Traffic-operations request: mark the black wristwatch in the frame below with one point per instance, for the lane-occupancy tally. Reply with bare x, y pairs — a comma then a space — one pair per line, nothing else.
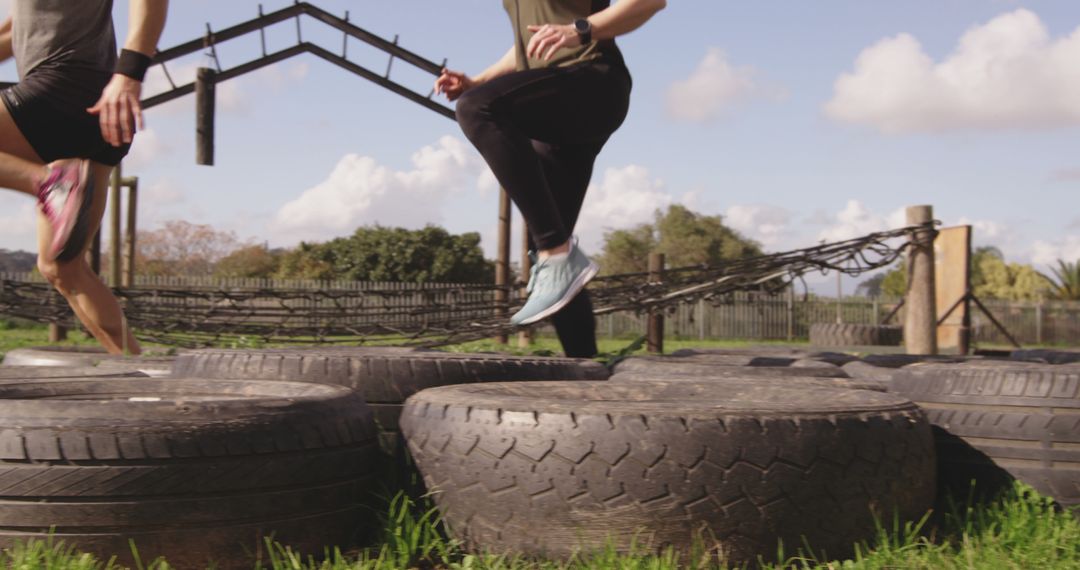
584, 30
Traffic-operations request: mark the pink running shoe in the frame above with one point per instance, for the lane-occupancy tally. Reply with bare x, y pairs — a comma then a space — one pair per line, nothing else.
65, 198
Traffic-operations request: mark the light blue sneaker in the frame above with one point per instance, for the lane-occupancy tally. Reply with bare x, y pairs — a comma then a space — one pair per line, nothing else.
553, 283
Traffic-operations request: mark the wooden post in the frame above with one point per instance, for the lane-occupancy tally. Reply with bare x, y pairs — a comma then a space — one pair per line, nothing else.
1039, 322
654, 335
920, 323
791, 313
839, 297
130, 233
205, 80
57, 333
525, 337
502, 263
115, 267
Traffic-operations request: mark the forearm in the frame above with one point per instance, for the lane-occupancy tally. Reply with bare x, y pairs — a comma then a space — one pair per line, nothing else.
6, 50
146, 20
506, 64
623, 17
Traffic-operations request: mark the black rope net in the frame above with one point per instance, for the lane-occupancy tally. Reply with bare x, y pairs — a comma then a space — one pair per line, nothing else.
435, 315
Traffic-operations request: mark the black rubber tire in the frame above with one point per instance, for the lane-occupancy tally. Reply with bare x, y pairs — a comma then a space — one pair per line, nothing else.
901, 360
998, 422
55, 356
25, 373
382, 376
689, 366
752, 374
866, 371
196, 471
548, 468
768, 352
1046, 355
852, 334
153, 366
73, 356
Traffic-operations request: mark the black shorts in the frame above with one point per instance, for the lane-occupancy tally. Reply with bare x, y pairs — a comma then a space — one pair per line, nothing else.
49, 107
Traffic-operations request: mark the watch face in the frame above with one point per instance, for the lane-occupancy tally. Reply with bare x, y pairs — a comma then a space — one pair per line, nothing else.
582, 25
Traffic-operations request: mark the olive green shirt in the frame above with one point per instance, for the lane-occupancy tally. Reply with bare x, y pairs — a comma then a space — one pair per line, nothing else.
63, 33
525, 13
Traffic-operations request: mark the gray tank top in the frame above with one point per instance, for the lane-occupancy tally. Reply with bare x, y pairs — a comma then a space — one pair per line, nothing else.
58, 34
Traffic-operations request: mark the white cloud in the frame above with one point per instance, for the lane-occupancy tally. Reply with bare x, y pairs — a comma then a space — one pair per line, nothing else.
360, 191
714, 86
769, 225
857, 220
624, 198
232, 96
1049, 252
147, 148
1008, 73
1066, 175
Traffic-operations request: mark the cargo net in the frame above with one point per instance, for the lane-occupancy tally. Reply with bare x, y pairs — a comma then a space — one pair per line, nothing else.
435, 315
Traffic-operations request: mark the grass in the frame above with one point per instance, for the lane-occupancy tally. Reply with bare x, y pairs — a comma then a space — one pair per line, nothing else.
16, 334
1021, 530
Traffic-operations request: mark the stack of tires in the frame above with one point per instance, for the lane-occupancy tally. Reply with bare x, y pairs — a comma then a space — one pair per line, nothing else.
232, 447
852, 335
153, 363
735, 452
996, 421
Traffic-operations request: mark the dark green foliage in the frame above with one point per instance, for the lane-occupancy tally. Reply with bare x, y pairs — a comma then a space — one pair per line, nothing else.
249, 261
1065, 283
377, 253
683, 236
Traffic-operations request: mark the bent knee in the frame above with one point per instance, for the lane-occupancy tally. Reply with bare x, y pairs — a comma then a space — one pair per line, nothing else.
472, 110
60, 274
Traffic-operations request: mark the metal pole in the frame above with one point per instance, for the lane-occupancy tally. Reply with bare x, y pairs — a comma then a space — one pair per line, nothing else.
502, 263
920, 324
655, 332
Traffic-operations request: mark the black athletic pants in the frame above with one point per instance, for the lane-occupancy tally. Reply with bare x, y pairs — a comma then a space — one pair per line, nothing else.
540, 131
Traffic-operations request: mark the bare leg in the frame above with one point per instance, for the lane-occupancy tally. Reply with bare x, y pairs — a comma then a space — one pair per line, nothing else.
20, 167
93, 302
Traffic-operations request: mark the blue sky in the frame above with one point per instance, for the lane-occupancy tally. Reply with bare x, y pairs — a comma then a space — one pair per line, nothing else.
796, 121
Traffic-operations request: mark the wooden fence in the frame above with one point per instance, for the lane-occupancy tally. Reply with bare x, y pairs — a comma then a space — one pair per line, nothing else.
746, 316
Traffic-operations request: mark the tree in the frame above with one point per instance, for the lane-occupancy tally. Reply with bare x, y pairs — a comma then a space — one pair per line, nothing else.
1065, 284
991, 278
249, 261
377, 253
181, 248
683, 236
870, 287
1011, 281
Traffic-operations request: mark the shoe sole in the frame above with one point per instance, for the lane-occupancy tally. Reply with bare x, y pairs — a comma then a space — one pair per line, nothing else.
72, 244
575, 288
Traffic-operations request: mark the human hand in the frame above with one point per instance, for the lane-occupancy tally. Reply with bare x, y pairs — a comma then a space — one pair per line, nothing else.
119, 110
453, 84
549, 38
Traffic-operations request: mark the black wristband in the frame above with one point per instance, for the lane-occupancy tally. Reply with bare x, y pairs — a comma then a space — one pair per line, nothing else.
132, 64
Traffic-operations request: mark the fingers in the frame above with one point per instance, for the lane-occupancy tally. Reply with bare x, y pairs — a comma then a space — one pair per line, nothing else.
546, 40
124, 119
559, 43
